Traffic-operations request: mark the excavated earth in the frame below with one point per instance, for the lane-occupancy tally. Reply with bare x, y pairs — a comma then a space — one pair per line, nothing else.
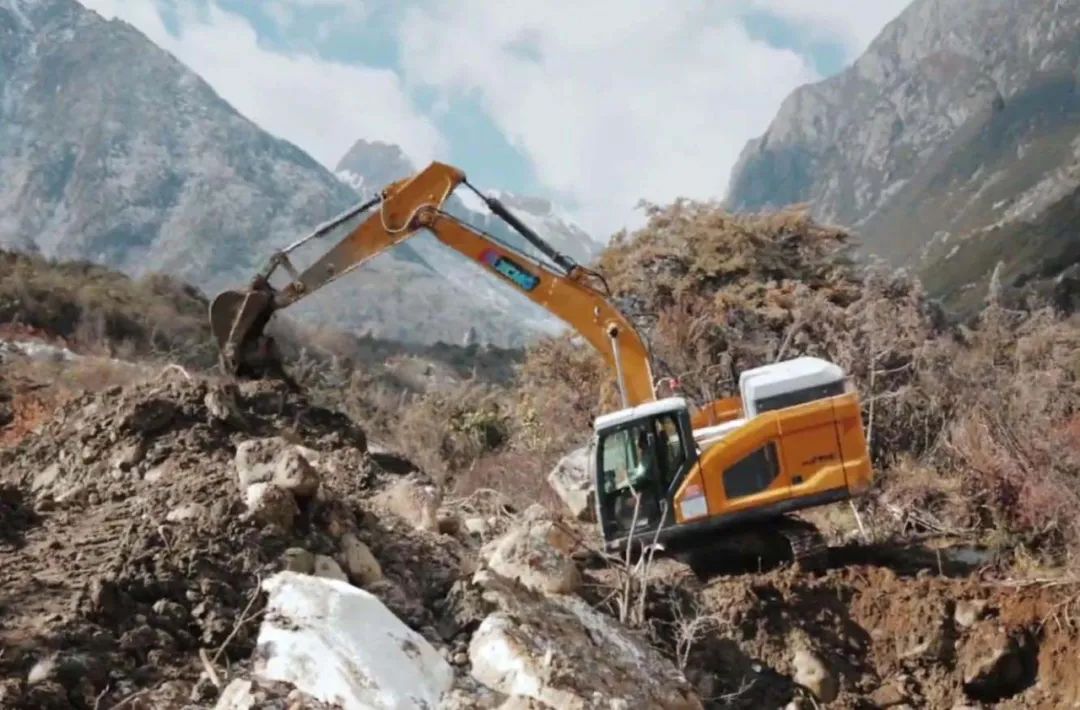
869, 636
126, 546
130, 564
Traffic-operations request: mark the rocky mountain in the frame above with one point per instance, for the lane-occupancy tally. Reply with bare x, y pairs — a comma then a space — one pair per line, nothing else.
952, 144
113, 151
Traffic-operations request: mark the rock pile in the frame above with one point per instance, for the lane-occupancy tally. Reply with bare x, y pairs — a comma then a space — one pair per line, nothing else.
189, 543
193, 544
140, 521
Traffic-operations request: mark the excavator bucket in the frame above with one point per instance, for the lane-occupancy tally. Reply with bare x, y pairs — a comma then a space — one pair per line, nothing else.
237, 320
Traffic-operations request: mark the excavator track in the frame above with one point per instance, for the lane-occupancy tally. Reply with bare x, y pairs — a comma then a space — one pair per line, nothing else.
783, 540
809, 549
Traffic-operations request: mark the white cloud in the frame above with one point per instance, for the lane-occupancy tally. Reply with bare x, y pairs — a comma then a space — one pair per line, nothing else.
611, 100
285, 12
321, 106
853, 23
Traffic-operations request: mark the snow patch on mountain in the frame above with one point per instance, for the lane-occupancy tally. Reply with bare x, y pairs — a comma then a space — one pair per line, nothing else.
353, 180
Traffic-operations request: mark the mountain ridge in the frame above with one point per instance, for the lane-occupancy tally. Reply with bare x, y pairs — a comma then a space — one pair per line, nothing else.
959, 117
113, 151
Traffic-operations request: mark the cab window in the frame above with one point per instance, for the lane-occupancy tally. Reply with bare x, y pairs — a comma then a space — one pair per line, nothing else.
671, 444
627, 458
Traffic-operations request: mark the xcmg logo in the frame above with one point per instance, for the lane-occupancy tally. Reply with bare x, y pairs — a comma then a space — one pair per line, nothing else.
510, 270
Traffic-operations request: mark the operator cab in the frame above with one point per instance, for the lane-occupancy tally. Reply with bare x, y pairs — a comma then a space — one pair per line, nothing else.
642, 454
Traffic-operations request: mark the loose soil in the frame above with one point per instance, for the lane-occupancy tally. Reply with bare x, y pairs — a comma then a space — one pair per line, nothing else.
129, 573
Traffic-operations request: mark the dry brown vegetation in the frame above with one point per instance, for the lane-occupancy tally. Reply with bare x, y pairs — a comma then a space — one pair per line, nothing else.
104, 312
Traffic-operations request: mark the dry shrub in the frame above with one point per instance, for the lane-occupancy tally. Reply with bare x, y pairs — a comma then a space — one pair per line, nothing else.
715, 294
446, 431
562, 386
104, 312
1011, 440
513, 473
31, 391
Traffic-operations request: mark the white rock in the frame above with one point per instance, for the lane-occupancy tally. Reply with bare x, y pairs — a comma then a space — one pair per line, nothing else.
339, 644
289, 466
294, 473
181, 513
270, 505
256, 459
161, 472
414, 500
572, 481
812, 673
362, 566
42, 670
46, 478
238, 695
327, 568
536, 552
560, 651
476, 526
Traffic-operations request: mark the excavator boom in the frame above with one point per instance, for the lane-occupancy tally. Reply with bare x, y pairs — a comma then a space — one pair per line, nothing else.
569, 291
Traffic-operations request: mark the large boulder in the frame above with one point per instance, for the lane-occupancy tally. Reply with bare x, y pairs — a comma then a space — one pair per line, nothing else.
572, 481
342, 646
559, 651
415, 499
536, 552
274, 459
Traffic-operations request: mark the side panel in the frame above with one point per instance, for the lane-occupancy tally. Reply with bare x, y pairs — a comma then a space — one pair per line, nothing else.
811, 451
691, 500
717, 412
853, 444
820, 453
735, 448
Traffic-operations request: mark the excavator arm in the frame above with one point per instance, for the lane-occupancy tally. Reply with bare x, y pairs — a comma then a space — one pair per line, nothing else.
567, 290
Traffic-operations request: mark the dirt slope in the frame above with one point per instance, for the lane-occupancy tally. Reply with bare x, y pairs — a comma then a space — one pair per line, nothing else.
130, 560
127, 547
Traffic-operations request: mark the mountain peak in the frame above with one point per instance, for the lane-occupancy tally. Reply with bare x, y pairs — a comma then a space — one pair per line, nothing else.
378, 163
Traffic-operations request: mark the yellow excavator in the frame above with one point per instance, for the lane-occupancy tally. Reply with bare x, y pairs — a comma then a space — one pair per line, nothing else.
792, 439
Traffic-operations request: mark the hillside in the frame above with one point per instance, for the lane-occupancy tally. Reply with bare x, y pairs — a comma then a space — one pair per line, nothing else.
172, 540
113, 152
959, 119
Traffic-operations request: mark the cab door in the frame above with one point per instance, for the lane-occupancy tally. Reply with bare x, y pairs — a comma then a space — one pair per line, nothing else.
639, 465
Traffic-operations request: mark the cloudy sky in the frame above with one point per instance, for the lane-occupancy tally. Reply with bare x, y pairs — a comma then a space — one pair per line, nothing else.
594, 103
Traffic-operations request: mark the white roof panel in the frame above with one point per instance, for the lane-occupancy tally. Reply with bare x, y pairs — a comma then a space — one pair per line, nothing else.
788, 376
669, 404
